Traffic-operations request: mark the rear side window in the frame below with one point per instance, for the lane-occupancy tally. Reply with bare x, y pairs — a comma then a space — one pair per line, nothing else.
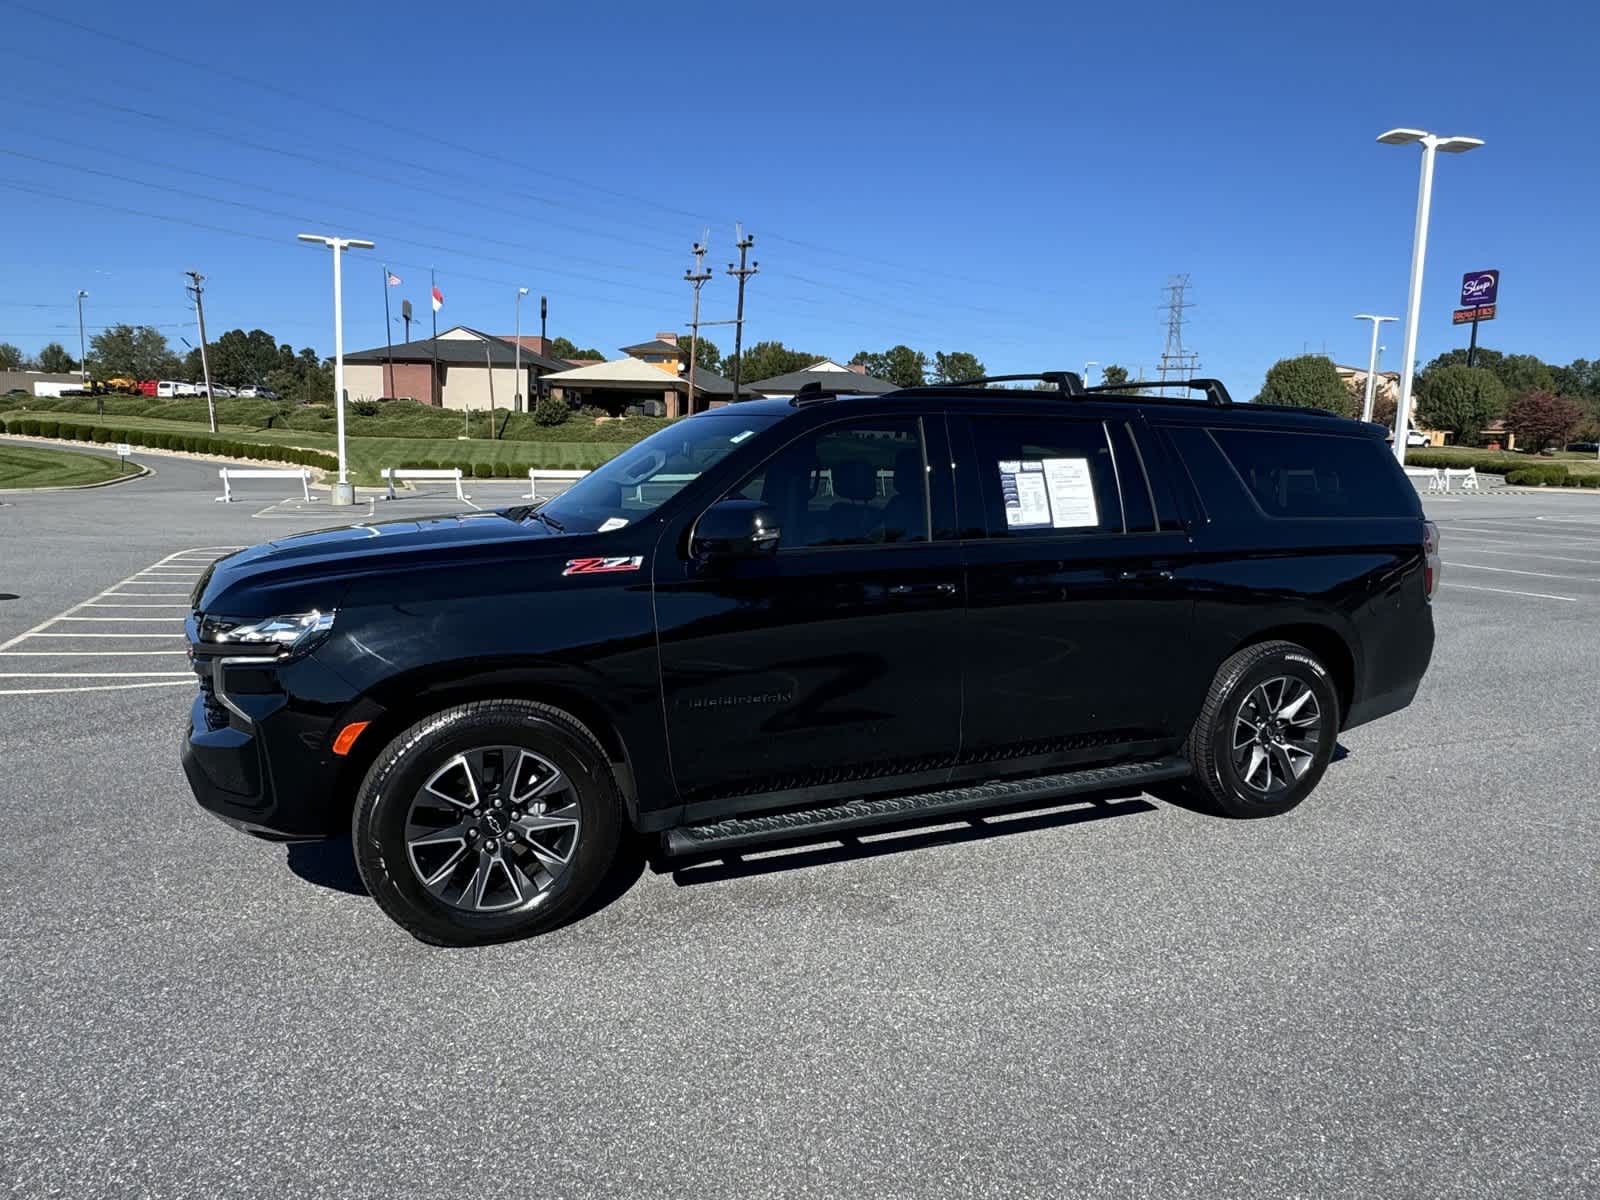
1046, 476
1317, 475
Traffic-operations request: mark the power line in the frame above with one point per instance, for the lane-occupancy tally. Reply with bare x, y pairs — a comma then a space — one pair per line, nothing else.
696, 277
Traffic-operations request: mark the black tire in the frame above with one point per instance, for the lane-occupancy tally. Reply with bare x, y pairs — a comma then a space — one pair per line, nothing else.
1231, 707
383, 823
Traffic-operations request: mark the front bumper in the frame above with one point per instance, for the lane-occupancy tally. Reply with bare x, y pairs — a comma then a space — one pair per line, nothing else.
264, 763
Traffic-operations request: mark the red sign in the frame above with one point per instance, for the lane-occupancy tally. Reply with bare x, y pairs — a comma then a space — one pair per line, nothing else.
1465, 316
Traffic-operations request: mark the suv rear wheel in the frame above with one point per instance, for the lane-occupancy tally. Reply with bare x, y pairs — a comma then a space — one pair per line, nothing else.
1266, 732
487, 821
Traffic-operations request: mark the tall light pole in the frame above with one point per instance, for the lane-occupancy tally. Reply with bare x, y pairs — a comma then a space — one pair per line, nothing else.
342, 492
1372, 361
1431, 143
83, 358
1086, 366
516, 404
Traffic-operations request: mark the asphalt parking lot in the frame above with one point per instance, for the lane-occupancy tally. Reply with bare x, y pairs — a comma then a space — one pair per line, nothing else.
1390, 992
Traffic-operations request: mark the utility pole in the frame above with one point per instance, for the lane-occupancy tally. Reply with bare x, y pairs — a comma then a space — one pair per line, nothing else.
1176, 362
516, 402
196, 279
696, 279
745, 241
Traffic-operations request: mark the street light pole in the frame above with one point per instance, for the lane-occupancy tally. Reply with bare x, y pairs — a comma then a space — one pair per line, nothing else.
516, 404
1086, 366
1431, 143
1372, 362
342, 492
83, 356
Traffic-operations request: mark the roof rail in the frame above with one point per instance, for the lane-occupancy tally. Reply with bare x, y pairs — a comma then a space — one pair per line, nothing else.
1216, 392
1068, 383
814, 392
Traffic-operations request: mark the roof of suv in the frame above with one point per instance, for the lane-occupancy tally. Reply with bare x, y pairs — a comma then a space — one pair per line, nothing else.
1310, 419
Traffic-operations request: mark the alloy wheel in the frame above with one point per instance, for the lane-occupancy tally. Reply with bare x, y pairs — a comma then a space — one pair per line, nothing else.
1276, 733
493, 828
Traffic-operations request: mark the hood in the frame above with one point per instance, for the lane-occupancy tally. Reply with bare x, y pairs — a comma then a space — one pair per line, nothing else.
312, 570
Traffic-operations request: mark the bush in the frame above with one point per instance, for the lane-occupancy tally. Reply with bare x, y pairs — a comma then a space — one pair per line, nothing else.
550, 411
1489, 462
49, 428
502, 470
364, 408
101, 436
482, 471
1543, 475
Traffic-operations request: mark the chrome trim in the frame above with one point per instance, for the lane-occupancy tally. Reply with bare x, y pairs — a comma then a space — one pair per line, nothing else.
219, 668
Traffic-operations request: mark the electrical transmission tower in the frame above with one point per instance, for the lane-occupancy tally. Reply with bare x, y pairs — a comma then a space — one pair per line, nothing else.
1177, 364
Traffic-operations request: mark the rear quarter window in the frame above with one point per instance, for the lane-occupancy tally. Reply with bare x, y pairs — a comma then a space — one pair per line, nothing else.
1292, 474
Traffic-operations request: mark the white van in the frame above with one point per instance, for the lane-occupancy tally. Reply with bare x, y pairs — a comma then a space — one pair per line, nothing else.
166, 389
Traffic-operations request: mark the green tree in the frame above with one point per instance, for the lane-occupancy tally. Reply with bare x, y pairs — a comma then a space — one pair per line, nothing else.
55, 359
239, 358
560, 347
10, 357
1461, 400
956, 367
134, 352
899, 365
1113, 376
1541, 419
706, 356
1306, 381
766, 359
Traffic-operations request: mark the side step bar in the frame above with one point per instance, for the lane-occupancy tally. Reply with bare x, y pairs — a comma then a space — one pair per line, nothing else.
737, 832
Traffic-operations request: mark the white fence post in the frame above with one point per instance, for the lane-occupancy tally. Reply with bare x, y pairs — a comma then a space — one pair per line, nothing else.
537, 473
229, 474
390, 474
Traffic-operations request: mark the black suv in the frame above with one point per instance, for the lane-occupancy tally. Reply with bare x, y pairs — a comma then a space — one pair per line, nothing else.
787, 618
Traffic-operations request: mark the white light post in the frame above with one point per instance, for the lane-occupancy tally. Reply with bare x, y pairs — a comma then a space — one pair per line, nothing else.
83, 359
342, 492
517, 404
1372, 362
1086, 366
1430, 143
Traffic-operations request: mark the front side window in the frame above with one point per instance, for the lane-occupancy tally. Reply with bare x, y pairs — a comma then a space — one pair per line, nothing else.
860, 484
643, 477
1046, 476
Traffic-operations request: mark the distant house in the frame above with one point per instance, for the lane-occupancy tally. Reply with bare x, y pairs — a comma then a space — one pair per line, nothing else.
828, 373
475, 369
650, 373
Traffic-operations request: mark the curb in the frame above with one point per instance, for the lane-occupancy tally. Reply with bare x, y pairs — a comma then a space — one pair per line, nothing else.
140, 471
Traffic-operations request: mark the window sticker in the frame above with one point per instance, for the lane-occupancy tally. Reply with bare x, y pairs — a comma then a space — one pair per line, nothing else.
1071, 490
1048, 493
1027, 500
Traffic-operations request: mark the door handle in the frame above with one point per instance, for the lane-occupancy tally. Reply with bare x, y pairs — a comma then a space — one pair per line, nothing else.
1157, 576
923, 589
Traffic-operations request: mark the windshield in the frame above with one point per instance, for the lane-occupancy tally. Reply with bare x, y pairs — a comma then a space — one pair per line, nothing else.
643, 477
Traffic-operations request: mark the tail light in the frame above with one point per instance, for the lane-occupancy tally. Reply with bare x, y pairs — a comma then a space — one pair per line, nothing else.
1430, 556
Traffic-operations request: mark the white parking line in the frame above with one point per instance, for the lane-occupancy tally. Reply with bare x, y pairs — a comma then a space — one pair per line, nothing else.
1513, 571
1502, 531
130, 594
1468, 587
1478, 548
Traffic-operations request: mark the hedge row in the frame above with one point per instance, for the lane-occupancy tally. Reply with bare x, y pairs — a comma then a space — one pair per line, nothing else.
1550, 475
194, 443
1488, 462
498, 470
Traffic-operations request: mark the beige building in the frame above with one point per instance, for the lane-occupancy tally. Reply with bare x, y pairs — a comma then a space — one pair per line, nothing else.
476, 370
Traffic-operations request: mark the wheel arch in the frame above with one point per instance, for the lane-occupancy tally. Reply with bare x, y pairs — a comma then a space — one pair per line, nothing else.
402, 702
1327, 643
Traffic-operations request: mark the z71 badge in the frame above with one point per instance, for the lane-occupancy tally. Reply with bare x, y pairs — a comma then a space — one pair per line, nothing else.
602, 566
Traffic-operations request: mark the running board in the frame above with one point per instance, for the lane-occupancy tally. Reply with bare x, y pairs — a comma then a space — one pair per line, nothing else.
737, 832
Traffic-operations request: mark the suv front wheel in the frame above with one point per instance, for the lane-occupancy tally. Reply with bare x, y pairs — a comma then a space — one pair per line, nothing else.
487, 821
1266, 732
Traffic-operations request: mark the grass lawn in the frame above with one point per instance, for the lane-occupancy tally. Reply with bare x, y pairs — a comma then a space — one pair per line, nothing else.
369, 455
26, 467
1578, 464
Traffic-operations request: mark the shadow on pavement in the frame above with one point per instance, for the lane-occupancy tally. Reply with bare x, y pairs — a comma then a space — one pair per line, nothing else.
330, 864
795, 854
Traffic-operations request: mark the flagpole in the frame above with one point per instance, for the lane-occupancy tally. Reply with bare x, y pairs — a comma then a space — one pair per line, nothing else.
388, 330
433, 287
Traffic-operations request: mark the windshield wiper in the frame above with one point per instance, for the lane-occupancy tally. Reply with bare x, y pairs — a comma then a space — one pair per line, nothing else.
537, 515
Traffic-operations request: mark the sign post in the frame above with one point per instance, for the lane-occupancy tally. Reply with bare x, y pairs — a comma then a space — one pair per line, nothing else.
1479, 291
123, 450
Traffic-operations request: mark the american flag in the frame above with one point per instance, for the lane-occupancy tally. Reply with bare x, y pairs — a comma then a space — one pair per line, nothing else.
392, 279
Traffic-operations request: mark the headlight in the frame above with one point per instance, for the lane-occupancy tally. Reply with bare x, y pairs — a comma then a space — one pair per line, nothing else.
289, 631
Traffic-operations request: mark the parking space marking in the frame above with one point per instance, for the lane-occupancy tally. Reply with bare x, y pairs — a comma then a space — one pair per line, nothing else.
1478, 548
1468, 587
1503, 531
1513, 571
126, 602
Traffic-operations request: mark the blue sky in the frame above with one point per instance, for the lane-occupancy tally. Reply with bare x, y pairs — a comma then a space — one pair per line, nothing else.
1018, 180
